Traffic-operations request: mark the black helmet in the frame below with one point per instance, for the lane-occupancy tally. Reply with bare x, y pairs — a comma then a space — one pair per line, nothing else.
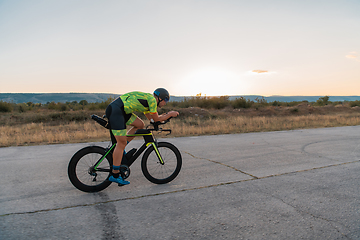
162, 94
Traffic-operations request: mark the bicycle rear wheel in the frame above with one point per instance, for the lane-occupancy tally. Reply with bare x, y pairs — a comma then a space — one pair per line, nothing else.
159, 173
81, 170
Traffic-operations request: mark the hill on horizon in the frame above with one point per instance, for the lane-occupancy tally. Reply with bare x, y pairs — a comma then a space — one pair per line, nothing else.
44, 98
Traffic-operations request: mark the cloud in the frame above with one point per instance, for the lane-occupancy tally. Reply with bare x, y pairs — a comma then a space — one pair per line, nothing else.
353, 55
260, 71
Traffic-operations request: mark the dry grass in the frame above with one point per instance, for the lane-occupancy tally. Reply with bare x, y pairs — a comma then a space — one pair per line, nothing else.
40, 133
242, 124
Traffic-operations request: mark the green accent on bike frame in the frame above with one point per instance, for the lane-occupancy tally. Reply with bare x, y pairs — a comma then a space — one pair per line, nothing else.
137, 135
157, 152
95, 168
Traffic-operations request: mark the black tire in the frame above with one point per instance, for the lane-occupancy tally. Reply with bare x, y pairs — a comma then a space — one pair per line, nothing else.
81, 173
156, 172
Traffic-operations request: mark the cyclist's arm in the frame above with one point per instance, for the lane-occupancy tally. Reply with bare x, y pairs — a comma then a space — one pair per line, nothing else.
159, 118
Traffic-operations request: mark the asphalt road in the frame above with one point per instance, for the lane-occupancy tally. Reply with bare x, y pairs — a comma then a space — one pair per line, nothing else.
302, 184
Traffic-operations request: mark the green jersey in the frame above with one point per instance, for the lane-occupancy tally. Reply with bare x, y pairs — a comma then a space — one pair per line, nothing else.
139, 102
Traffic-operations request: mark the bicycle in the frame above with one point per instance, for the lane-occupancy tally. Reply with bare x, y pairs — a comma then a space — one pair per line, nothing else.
89, 168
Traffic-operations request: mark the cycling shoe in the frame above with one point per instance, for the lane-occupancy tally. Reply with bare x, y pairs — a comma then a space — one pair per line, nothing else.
118, 180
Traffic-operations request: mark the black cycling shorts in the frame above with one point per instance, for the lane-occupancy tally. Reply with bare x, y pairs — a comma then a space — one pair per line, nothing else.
117, 117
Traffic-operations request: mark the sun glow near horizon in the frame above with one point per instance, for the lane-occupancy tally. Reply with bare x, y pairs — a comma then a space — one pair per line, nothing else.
211, 82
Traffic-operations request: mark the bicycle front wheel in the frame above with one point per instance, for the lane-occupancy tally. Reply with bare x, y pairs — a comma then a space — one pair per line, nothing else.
82, 172
157, 172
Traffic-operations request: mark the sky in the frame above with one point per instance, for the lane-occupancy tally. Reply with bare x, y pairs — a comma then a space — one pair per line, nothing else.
212, 47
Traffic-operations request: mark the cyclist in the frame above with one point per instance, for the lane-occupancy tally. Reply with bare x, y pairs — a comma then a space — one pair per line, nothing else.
120, 113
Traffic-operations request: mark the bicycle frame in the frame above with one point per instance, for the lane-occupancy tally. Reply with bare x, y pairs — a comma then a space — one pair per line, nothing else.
89, 168
149, 140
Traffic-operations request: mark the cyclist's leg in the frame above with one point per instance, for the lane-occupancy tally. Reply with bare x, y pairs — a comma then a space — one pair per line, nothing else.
136, 124
116, 116
117, 157
118, 151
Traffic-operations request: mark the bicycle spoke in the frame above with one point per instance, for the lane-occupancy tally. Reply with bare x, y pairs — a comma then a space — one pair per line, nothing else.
162, 171
85, 173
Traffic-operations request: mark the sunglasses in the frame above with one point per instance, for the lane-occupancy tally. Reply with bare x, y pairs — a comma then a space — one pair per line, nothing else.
166, 100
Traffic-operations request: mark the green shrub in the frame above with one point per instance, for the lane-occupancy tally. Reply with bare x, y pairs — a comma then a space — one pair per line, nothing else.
323, 101
275, 103
213, 102
202, 102
83, 102
22, 107
5, 107
62, 107
354, 103
241, 103
260, 102
51, 105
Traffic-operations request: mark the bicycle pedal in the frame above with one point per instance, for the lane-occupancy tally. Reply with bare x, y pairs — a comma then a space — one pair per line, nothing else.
120, 185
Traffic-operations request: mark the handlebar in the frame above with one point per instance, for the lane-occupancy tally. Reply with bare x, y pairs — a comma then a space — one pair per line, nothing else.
158, 123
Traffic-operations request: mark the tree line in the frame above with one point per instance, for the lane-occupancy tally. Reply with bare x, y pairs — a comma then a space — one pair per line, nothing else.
197, 101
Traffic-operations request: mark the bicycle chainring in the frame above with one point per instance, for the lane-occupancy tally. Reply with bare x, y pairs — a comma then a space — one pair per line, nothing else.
124, 171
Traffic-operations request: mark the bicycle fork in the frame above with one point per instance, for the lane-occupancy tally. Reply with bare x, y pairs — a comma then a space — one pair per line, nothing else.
157, 152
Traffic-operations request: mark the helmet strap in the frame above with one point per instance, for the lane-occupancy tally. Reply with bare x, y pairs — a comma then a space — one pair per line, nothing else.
158, 99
